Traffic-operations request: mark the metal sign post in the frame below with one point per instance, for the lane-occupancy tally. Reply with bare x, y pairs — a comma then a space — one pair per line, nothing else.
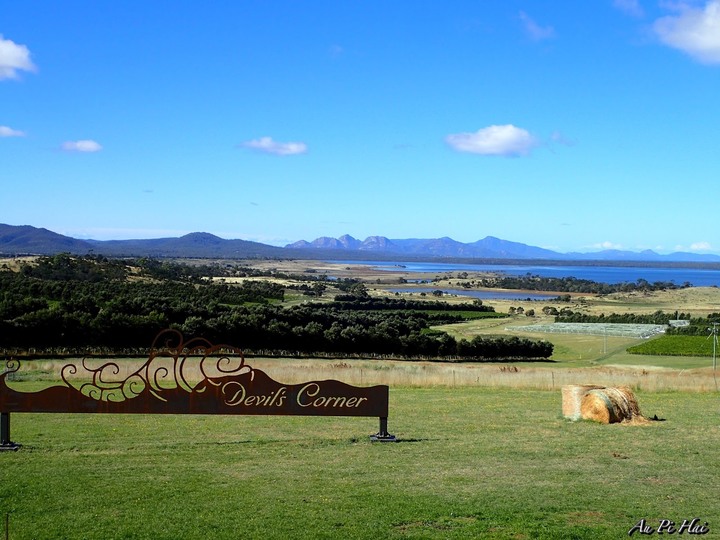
383, 435
5, 442
714, 333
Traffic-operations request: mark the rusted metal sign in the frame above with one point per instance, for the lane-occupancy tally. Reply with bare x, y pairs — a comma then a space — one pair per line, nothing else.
193, 377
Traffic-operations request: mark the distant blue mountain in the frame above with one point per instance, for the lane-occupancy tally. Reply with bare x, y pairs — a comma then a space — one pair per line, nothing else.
16, 240
27, 240
489, 247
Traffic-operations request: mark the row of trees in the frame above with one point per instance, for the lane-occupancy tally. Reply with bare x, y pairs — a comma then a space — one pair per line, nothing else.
659, 317
366, 302
574, 285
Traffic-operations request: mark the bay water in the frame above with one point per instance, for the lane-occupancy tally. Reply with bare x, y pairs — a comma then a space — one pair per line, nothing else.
697, 277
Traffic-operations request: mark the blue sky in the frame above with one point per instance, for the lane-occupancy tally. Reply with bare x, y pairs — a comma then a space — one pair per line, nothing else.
575, 126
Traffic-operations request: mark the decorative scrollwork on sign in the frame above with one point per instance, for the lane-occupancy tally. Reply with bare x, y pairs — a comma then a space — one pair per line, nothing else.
11, 366
169, 366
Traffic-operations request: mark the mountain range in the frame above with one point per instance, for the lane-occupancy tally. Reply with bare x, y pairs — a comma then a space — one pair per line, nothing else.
489, 247
25, 239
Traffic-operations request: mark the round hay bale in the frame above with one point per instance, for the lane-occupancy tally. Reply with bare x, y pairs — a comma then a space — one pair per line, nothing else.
572, 395
610, 405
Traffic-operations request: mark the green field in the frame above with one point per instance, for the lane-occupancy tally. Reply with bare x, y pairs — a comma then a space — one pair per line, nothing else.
472, 463
675, 346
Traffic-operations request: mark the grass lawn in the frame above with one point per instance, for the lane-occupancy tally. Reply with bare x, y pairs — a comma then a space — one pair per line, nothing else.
473, 463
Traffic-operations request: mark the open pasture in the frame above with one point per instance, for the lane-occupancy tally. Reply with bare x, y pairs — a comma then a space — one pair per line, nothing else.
472, 463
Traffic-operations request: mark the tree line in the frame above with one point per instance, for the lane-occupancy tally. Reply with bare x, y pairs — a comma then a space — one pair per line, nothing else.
658, 317
534, 282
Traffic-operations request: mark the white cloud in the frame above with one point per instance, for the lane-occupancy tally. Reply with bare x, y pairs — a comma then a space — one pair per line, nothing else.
607, 245
268, 146
506, 140
631, 7
81, 146
13, 58
700, 246
695, 31
534, 30
6, 131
